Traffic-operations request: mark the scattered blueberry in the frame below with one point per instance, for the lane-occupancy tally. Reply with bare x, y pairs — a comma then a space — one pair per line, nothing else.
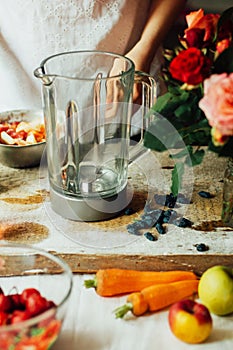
169, 215
205, 194
170, 200
129, 211
201, 247
154, 217
159, 227
150, 236
182, 222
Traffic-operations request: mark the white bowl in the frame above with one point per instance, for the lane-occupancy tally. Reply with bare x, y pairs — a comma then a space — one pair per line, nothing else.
28, 156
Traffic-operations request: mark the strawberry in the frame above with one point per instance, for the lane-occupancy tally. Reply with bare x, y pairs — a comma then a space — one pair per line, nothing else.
3, 318
28, 292
19, 316
16, 301
5, 303
36, 304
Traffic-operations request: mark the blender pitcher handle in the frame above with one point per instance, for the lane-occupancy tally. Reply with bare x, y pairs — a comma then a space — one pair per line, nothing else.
149, 88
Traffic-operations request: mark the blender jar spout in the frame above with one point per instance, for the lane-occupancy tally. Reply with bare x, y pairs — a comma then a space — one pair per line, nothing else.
44, 78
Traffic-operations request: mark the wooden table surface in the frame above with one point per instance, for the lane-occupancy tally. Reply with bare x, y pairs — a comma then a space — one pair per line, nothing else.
27, 217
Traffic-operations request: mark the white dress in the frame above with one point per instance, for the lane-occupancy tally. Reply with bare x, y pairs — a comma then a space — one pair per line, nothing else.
31, 30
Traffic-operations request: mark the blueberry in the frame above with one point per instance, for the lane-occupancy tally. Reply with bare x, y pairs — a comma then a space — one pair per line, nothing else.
170, 200
182, 222
205, 194
169, 215
159, 227
202, 247
150, 236
129, 211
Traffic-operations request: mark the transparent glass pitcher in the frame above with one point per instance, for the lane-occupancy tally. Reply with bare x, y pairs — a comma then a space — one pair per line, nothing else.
88, 108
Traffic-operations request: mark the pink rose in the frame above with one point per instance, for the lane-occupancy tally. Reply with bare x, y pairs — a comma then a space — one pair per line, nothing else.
217, 102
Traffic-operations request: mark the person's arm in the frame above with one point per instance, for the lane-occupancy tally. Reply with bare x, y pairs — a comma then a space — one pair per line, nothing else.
162, 15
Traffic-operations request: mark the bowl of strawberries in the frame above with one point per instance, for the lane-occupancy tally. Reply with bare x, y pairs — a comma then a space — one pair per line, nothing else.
35, 288
22, 138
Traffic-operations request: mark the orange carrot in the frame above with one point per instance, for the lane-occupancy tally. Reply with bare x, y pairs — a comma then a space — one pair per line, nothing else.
110, 282
157, 297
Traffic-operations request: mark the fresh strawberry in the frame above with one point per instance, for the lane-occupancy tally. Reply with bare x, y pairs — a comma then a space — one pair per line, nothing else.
50, 304
17, 303
36, 304
19, 316
26, 293
3, 318
5, 303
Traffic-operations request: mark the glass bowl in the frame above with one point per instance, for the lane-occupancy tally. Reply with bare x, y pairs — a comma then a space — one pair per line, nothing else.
22, 156
22, 268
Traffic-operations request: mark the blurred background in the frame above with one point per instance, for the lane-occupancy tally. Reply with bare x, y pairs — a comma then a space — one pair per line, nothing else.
209, 6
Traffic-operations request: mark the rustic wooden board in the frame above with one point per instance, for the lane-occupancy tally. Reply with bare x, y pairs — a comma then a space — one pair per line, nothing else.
84, 263
24, 219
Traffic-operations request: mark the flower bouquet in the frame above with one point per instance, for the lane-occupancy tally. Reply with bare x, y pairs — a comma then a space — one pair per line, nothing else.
197, 109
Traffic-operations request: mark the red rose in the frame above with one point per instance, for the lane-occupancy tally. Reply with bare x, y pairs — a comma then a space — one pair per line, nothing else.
195, 37
191, 66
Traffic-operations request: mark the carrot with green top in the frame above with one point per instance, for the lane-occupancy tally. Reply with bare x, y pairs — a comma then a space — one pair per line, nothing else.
111, 282
157, 297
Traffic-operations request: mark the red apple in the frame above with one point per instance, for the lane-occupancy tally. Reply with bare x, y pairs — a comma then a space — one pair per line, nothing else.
190, 321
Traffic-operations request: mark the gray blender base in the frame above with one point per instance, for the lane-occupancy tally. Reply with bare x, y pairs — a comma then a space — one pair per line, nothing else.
95, 209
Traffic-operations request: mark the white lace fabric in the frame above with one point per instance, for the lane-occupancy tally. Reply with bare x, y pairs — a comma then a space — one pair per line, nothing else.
31, 30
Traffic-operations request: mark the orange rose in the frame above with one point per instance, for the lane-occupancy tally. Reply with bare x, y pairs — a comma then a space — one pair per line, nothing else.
223, 45
217, 103
201, 27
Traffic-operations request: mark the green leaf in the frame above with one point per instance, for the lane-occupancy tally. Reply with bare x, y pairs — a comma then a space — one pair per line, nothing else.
177, 177
162, 135
191, 158
196, 134
167, 103
183, 153
195, 158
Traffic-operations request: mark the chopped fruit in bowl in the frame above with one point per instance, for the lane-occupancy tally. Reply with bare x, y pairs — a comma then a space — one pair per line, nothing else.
33, 305
22, 138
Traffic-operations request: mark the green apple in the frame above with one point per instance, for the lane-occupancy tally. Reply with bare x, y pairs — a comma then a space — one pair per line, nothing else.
190, 321
215, 289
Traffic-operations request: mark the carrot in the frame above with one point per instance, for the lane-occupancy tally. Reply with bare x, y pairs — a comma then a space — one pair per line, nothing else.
110, 282
157, 297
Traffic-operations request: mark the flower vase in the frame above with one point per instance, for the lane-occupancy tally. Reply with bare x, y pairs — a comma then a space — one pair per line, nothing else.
227, 205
